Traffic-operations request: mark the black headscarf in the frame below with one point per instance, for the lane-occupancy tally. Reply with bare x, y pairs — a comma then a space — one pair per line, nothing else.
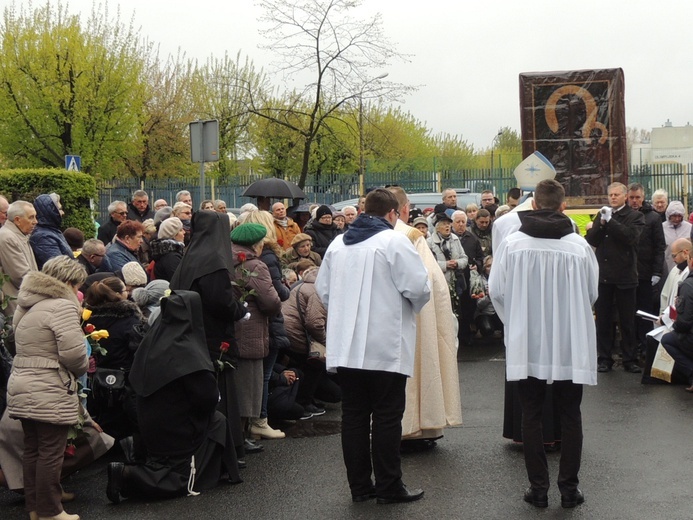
209, 250
174, 346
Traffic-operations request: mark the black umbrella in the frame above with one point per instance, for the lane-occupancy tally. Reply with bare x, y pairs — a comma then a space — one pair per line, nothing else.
274, 188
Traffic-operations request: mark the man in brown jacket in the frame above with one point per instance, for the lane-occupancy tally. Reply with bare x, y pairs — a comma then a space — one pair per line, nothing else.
286, 228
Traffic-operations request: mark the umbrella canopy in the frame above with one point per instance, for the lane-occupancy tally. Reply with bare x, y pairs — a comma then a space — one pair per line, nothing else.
274, 188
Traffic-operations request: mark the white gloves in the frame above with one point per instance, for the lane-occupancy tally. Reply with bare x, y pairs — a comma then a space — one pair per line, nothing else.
246, 317
606, 213
655, 279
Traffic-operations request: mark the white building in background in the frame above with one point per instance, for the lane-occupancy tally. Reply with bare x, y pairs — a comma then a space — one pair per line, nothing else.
668, 144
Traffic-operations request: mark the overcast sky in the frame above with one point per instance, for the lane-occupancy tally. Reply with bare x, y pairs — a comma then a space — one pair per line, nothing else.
467, 55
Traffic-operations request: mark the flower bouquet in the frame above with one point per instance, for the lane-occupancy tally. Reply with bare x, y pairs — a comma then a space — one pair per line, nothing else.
243, 277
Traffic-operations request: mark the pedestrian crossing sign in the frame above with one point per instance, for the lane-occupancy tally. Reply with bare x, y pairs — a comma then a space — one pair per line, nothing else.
73, 163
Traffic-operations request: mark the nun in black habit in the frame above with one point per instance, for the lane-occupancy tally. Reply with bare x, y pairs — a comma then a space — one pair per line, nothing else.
188, 444
207, 268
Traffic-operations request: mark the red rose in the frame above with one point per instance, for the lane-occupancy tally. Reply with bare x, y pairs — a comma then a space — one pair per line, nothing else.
89, 328
70, 450
241, 257
224, 347
280, 241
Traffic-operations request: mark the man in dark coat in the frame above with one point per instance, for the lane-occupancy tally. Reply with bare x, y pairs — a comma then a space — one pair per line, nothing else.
139, 208
93, 257
117, 213
483, 230
615, 233
651, 248
47, 240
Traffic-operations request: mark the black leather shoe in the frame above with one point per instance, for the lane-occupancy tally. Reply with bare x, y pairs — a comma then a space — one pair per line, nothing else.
536, 498
404, 495
603, 367
115, 481
365, 497
251, 447
572, 500
632, 368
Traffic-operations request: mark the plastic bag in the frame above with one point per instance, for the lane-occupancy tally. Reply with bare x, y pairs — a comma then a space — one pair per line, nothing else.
476, 285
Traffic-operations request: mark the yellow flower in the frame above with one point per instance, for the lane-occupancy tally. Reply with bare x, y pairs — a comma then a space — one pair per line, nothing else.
99, 334
86, 314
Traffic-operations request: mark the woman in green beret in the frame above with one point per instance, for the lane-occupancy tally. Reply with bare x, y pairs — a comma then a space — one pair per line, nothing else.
253, 285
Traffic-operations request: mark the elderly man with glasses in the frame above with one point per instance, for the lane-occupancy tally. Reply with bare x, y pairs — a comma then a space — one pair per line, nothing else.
93, 257
118, 213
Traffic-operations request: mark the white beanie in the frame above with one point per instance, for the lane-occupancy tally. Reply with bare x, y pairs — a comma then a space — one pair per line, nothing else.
134, 275
170, 228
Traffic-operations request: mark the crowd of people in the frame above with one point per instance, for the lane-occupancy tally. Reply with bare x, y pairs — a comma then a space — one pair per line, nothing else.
236, 294
185, 335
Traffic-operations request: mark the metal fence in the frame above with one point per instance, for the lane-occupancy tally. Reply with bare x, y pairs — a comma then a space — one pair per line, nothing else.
676, 179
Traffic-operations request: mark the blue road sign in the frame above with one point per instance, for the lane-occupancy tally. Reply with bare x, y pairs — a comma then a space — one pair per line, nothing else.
73, 163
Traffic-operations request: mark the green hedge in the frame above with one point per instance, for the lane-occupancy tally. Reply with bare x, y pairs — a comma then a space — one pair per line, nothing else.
75, 189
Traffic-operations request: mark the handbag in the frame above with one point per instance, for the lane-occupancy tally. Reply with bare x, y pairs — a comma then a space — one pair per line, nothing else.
108, 386
317, 352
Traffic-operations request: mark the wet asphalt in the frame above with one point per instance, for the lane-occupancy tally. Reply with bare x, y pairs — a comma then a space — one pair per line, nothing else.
637, 464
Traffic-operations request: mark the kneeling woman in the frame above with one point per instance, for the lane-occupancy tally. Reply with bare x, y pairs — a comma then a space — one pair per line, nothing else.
188, 445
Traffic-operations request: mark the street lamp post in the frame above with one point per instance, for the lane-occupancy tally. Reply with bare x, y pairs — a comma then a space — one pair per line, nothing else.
362, 162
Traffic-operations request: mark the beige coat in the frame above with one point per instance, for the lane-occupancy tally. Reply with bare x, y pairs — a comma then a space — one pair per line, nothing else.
314, 314
433, 392
50, 352
16, 260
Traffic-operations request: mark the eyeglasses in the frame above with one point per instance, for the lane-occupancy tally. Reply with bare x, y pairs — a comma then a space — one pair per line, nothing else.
121, 212
674, 255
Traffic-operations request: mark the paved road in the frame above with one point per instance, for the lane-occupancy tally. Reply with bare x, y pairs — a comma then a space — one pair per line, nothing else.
637, 464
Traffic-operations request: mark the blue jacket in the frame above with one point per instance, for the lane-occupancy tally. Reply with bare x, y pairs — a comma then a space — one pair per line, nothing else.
118, 255
47, 241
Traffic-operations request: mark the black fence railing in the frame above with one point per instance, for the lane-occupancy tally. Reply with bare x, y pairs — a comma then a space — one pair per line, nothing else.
676, 179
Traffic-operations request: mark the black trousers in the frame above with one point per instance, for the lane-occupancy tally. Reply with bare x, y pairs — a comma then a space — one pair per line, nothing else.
370, 395
683, 355
644, 302
623, 300
567, 397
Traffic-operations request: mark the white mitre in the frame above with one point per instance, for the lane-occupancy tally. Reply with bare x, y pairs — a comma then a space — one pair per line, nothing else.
533, 170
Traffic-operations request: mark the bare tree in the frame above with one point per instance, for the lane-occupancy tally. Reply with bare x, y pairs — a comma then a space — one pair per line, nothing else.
344, 57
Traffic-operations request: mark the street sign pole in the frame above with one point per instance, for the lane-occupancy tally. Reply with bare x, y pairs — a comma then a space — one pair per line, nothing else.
204, 146
202, 164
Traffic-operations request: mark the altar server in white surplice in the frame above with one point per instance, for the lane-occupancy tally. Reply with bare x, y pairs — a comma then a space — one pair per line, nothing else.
543, 284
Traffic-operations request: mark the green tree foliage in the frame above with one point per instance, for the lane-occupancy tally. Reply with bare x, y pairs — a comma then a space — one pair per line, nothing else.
320, 38
394, 140
67, 89
454, 153
75, 190
220, 90
160, 148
